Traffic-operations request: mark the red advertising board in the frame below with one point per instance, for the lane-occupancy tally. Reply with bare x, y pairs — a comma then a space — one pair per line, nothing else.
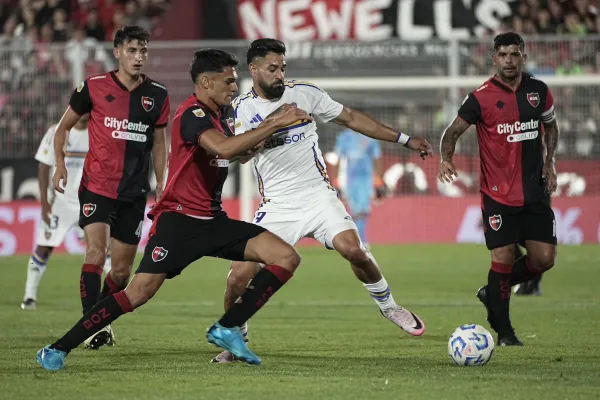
397, 220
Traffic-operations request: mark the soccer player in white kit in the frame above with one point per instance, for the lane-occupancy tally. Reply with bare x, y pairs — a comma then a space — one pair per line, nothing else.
298, 199
59, 213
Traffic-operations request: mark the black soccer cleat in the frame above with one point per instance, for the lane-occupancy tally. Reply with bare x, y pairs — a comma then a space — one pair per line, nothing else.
509, 339
483, 297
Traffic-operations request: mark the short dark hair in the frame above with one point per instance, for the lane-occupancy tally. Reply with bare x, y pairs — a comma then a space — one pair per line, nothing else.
128, 33
262, 47
211, 60
508, 39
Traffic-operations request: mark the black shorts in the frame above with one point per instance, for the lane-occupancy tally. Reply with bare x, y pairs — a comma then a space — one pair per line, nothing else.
178, 240
505, 225
125, 218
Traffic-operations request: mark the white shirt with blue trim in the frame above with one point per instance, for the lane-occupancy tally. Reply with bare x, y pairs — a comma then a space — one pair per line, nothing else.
291, 163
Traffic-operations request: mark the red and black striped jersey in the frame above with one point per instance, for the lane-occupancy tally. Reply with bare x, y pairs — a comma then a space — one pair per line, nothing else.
509, 131
196, 176
121, 131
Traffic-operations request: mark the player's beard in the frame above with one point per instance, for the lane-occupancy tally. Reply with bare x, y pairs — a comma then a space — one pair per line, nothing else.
272, 91
512, 76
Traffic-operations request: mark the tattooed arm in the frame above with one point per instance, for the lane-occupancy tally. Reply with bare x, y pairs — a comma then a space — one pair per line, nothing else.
551, 135
447, 171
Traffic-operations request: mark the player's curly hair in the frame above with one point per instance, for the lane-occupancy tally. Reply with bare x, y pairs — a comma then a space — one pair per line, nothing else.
508, 39
211, 60
261, 47
128, 33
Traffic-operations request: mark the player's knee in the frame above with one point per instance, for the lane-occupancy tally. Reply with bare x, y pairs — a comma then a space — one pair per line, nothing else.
44, 251
355, 254
543, 260
120, 276
289, 259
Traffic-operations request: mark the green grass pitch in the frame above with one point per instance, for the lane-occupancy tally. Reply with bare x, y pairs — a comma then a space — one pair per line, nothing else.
321, 337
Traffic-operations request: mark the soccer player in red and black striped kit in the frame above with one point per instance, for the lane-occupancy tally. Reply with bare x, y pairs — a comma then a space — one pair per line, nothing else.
129, 113
189, 222
512, 111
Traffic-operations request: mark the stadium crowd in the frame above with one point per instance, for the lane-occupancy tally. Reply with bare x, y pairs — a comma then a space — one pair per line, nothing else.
43, 42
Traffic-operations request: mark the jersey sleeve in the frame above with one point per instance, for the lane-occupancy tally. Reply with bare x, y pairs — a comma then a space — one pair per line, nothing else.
45, 152
470, 110
165, 112
194, 122
81, 101
548, 114
323, 106
242, 124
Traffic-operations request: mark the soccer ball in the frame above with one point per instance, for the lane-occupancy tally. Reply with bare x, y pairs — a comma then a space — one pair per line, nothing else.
471, 345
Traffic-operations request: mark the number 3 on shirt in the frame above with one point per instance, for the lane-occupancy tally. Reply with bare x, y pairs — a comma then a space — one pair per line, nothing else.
259, 216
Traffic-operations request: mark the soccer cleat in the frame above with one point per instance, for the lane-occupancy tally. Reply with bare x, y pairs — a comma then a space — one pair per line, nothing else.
406, 320
509, 339
28, 304
231, 339
104, 337
528, 288
224, 357
51, 359
483, 297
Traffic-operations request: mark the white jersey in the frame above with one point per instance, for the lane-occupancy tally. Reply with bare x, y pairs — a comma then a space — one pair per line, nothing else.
291, 163
76, 149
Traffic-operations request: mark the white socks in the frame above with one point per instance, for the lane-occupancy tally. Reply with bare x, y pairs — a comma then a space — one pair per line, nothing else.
35, 271
380, 292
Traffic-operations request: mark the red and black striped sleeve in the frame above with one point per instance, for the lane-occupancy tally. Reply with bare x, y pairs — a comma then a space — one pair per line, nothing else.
470, 110
165, 112
194, 122
81, 101
548, 114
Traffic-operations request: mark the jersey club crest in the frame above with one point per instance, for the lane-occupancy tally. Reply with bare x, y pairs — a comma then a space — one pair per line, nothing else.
88, 209
533, 99
147, 103
159, 254
231, 124
495, 222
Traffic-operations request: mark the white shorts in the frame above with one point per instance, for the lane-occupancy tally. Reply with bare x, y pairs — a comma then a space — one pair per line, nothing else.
321, 217
64, 216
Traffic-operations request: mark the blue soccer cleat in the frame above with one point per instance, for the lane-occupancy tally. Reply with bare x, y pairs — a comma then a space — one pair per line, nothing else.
231, 339
51, 359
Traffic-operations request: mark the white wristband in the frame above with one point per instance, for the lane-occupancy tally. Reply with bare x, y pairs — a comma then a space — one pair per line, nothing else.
403, 139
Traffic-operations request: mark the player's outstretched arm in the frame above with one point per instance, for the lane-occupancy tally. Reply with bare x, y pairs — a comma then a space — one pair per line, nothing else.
230, 147
551, 135
368, 126
247, 156
67, 122
450, 136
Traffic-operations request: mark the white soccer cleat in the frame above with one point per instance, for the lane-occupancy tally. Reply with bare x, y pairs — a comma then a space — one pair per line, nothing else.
104, 337
224, 357
406, 320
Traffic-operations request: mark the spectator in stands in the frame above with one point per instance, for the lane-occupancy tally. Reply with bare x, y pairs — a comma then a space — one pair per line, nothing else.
93, 29
60, 27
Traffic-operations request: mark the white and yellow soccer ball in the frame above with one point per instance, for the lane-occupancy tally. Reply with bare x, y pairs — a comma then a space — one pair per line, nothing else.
471, 345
